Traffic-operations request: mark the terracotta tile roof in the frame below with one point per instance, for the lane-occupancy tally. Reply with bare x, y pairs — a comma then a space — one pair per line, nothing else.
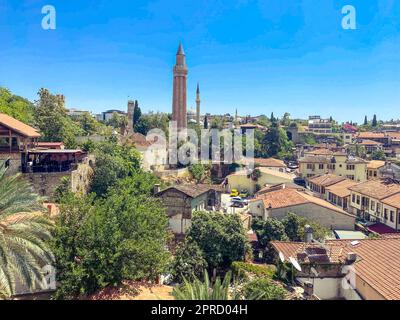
315, 159
394, 135
269, 162
193, 190
378, 189
378, 262
341, 189
393, 201
375, 164
18, 126
326, 180
322, 151
285, 198
371, 135
366, 142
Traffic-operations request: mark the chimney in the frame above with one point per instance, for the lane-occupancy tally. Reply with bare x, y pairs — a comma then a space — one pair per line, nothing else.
308, 231
156, 188
351, 258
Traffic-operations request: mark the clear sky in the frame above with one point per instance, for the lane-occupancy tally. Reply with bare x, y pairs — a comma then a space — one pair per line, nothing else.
254, 55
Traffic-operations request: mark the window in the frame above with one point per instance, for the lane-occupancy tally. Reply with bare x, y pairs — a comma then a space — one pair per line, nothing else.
378, 207
372, 205
321, 166
350, 176
391, 216
375, 173
358, 200
331, 166
310, 166
353, 198
386, 214
350, 167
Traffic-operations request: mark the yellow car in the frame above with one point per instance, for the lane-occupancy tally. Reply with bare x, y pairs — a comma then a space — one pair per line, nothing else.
234, 193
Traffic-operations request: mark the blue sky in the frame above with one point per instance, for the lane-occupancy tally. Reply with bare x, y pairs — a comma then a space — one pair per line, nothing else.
257, 56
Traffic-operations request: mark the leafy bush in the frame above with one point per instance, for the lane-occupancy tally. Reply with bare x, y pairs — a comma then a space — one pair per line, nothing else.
242, 269
263, 289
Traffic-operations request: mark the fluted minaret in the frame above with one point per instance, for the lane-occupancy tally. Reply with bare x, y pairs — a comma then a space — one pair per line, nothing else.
198, 105
131, 108
179, 108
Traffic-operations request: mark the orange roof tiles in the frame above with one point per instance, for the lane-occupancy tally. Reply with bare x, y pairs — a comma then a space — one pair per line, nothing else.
378, 262
18, 126
375, 164
378, 189
290, 197
269, 162
393, 201
371, 135
341, 189
326, 180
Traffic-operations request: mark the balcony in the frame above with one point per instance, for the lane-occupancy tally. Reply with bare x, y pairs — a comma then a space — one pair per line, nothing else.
49, 168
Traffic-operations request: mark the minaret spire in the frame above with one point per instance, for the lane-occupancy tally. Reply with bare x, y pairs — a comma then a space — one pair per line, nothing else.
198, 104
179, 99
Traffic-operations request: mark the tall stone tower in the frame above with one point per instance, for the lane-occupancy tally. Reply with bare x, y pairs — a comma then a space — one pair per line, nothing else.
131, 110
179, 97
198, 105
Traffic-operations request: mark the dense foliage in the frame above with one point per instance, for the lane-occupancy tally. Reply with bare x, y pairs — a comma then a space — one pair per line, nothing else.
15, 106
23, 232
114, 163
263, 289
105, 241
52, 120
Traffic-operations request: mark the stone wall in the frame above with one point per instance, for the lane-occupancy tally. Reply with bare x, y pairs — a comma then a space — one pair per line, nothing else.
46, 183
326, 217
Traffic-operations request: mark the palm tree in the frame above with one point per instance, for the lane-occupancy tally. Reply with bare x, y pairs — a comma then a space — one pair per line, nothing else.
23, 232
199, 290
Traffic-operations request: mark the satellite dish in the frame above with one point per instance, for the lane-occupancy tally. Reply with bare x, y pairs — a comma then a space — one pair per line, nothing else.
281, 256
295, 263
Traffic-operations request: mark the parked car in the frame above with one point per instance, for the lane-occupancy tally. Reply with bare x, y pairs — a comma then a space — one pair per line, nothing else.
234, 193
244, 194
237, 204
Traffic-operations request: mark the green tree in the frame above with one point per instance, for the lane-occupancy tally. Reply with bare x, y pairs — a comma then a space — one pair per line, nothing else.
136, 114
378, 155
87, 123
52, 120
197, 171
374, 121
15, 106
206, 122
113, 163
221, 238
23, 232
189, 262
102, 242
269, 230
292, 224
263, 289
365, 121
276, 142
153, 121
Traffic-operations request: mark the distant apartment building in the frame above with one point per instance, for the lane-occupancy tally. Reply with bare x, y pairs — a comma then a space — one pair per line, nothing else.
107, 115
338, 163
318, 125
75, 113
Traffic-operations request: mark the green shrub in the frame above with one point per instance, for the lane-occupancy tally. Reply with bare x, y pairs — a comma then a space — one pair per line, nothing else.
242, 269
263, 289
